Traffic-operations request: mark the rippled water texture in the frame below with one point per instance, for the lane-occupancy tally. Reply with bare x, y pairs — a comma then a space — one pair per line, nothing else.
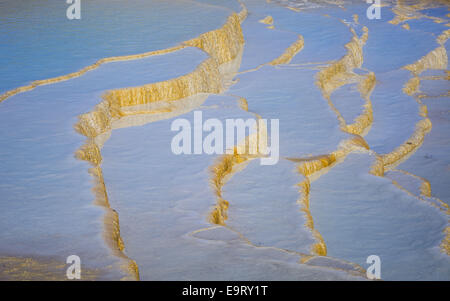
85, 134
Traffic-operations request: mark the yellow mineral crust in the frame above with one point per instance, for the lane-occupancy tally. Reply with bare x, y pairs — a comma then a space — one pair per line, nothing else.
341, 73
363, 121
152, 112
329, 79
425, 195
289, 53
296, 9
243, 104
205, 79
412, 86
445, 244
221, 172
227, 164
416, 139
308, 167
111, 223
338, 73
442, 38
86, 69
38, 269
286, 57
409, 10
267, 20
425, 186
223, 46
400, 153
436, 59
243, 13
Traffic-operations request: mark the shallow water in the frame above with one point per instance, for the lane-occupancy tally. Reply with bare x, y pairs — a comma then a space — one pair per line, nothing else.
38, 41
51, 204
